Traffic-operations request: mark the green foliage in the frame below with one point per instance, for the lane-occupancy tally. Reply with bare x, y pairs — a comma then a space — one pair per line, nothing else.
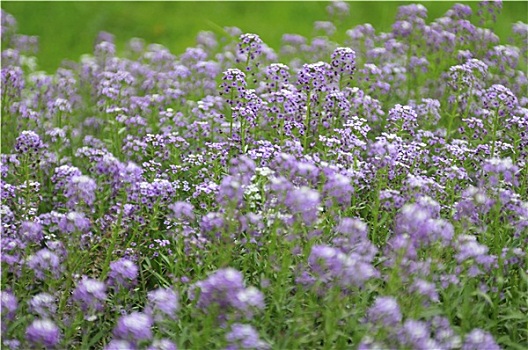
68, 29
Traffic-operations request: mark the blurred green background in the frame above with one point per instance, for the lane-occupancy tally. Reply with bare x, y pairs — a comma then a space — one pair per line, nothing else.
68, 29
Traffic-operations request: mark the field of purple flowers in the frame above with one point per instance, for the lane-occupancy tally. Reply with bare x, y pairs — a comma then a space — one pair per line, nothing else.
367, 194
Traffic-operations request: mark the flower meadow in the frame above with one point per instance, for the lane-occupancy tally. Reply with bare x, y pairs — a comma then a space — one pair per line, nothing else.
364, 194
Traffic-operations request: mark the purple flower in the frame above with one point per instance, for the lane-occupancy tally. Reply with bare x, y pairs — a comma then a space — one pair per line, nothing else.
182, 210
225, 289
444, 334
123, 273
45, 262
233, 82
495, 167
31, 231
90, 294
162, 344
134, 327
402, 118
426, 289
29, 143
74, 221
327, 28
8, 309
231, 190
44, 332
314, 77
304, 202
249, 299
419, 221
469, 250
478, 339
338, 9
339, 189
43, 304
11, 344
331, 265
249, 47
344, 61
416, 335
119, 344
219, 287
385, 311
243, 336
163, 300
80, 189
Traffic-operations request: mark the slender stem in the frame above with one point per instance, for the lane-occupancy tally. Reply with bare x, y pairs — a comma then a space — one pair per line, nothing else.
308, 117
113, 241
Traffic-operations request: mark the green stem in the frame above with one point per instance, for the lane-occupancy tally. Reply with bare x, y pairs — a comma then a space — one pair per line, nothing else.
308, 117
113, 241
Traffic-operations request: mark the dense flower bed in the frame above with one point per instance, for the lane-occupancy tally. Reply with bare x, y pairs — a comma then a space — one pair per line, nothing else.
364, 194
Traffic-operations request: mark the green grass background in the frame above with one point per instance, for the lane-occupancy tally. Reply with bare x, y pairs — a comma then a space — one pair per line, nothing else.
68, 29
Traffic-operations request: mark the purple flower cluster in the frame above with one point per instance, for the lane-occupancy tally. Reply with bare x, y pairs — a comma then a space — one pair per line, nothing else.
373, 189
224, 291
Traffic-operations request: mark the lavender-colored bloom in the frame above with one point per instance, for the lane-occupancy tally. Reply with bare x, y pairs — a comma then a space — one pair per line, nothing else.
74, 221
162, 344
80, 189
182, 210
250, 46
123, 273
43, 304
338, 9
11, 344
249, 299
212, 224
314, 77
225, 289
45, 262
90, 294
444, 334
385, 311
28, 143
233, 82
352, 237
164, 301
469, 248
500, 99
331, 265
13, 82
478, 339
134, 327
416, 334
402, 118
367, 343
327, 28
43, 332
459, 11
219, 287
120, 344
467, 75
305, 203
338, 189
495, 167
230, 191
31, 231
243, 336
419, 221
426, 289
8, 306
344, 61
8, 24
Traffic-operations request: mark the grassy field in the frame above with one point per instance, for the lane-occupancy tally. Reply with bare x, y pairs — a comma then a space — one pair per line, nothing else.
68, 29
